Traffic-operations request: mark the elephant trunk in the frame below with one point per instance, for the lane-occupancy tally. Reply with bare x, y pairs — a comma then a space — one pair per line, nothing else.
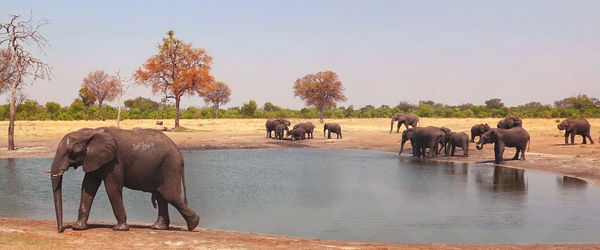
392, 127
56, 175
479, 146
401, 147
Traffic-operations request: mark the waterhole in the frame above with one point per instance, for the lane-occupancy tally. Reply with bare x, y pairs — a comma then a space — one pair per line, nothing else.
340, 194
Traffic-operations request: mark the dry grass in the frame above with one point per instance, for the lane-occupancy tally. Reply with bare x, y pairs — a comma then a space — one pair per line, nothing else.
51, 129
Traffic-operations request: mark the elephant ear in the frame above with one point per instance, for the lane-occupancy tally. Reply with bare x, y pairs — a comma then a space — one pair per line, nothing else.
494, 135
101, 150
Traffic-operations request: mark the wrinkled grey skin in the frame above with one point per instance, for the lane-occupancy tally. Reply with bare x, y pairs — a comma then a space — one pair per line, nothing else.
574, 127
332, 128
309, 127
297, 134
406, 119
515, 138
279, 129
510, 122
478, 130
138, 159
454, 140
423, 138
272, 123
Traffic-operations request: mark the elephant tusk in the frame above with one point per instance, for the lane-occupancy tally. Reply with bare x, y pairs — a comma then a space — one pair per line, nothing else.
47, 171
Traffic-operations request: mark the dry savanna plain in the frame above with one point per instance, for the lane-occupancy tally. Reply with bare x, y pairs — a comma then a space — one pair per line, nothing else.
547, 152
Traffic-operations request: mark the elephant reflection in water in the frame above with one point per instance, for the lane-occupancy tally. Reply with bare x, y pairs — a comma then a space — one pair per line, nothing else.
571, 182
503, 180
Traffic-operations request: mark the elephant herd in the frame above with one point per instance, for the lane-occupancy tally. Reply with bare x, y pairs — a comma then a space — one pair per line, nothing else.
149, 161
509, 132
299, 131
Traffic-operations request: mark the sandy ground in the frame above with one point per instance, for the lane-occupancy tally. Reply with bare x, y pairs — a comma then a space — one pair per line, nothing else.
40, 138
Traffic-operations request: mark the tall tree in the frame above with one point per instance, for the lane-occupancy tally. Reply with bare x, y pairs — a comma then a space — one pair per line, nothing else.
494, 103
102, 85
218, 96
16, 35
122, 87
177, 70
321, 90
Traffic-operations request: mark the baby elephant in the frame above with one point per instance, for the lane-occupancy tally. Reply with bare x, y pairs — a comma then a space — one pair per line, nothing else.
457, 140
576, 127
308, 128
333, 128
297, 134
279, 131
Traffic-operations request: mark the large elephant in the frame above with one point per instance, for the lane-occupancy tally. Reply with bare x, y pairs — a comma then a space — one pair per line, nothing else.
574, 127
510, 122
515, 137
478, 130
333, 128
406, 119
454, 140
272, 123
139, 159
308, 127
422, 138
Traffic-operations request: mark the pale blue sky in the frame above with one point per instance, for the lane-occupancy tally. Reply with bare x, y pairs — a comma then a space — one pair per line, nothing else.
384, 51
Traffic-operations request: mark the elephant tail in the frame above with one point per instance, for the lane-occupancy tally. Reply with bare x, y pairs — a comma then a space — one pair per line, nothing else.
183, 181
528, 144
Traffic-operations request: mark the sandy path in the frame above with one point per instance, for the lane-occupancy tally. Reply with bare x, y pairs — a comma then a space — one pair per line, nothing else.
39, 139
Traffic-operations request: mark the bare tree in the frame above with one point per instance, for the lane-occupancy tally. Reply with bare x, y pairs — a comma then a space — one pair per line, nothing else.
218, 96
102, 85
16, 34
122, 87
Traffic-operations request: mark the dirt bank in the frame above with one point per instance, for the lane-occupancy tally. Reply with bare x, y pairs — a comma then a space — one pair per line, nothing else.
39, 139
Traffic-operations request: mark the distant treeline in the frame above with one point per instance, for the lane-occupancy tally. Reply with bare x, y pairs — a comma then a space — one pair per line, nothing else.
144, 108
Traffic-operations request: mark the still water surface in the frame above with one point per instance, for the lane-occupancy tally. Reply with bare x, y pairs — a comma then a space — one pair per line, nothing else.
341, 194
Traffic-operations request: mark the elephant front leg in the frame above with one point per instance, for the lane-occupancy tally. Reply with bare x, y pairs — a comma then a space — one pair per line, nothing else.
89, 188
163, 220
115, 195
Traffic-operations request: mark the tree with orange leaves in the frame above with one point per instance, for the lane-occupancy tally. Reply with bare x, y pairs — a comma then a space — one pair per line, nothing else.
321, 90
102, 86
178, 69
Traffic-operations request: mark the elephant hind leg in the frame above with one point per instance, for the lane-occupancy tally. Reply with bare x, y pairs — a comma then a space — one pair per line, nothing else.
516, 157
191, 218
163, 220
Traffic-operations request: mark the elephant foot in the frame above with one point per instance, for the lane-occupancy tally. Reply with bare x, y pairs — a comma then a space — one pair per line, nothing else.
160, 224
121, 227
80, 225
193, 222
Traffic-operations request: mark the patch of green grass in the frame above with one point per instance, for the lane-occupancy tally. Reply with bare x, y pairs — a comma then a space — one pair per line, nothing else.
12, 242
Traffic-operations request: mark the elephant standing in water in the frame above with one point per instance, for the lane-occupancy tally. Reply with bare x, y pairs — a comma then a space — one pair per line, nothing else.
139, 159
406, 119
574, 127
515, 137
333, 128
478, 130
422, 138
272, 123
510, 122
